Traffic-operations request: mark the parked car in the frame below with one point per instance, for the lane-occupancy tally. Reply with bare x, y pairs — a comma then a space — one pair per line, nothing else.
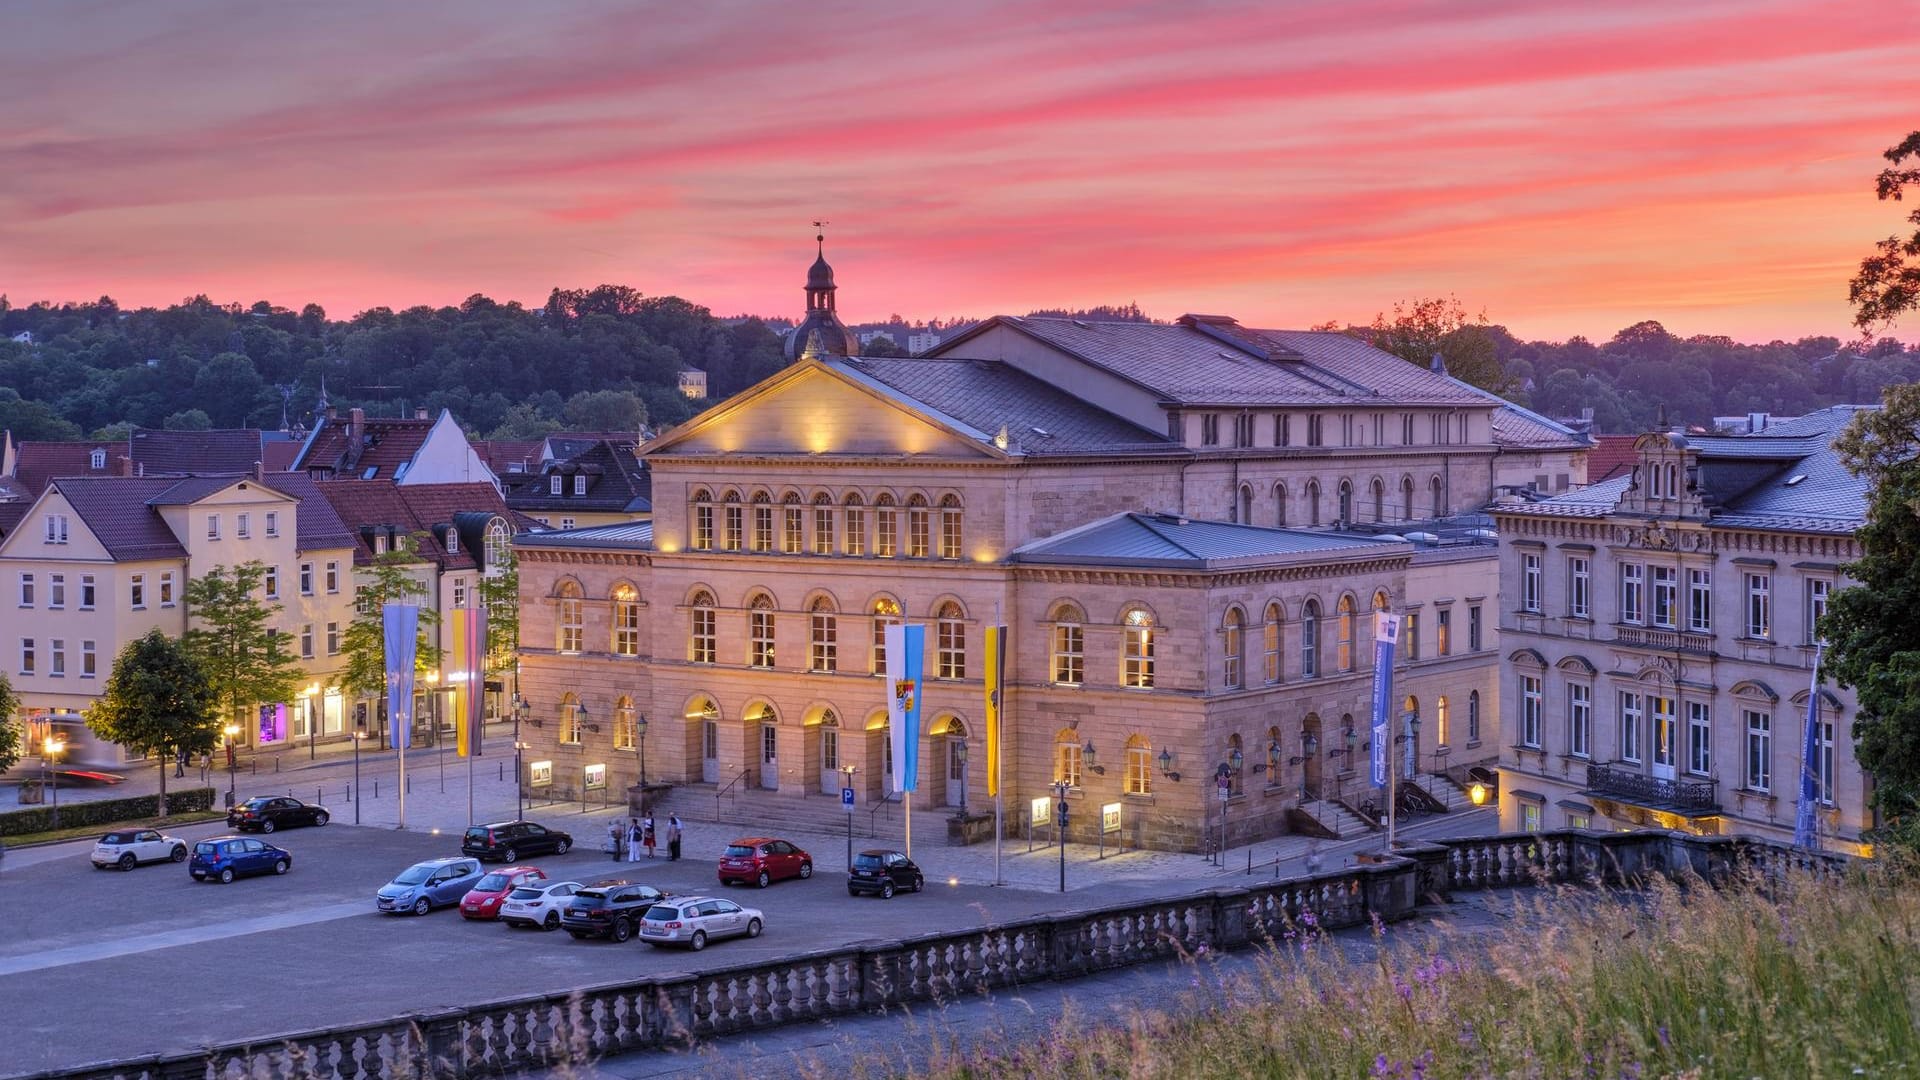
128, 848
427, 885
223, 858
538, 903
269, 812
883, 872
484, 899
509, 840
609, 909
694, 920
763, 860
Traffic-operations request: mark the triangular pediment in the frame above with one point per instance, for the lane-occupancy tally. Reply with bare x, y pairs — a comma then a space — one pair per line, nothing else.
814, 409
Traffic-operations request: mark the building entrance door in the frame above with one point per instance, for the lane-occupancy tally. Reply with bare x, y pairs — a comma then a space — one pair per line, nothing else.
1665, 738
830, 778
710, 751
769, 755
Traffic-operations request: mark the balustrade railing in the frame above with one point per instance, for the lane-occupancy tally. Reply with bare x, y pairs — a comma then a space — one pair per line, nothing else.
1680, 794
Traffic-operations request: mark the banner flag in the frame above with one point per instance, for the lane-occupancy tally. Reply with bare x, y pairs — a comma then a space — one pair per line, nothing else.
466, 663
1806, 832
400, 624
996, 690
1386, 634
906, 656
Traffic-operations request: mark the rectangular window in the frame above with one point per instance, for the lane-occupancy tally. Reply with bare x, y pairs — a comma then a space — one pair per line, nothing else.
1759, 726
273, 523
1699, 738
918, 532
26, 589
1819, 590
333, 577
950, 535
1530, 582
1529, 817
166, 589
1631, 717
950, 638
573, 624
1759, 605
1530, 711
56, 528
823, 530
243, 525
1700, 601
760, 638
554, 484
1632, 593
58, 668
735, 516
87, 592
137, 591
703, 527
1579, 588
1473, 628
1210, 429
886, 532
26, 656
703, 644
306, 579
1243, 430
1823, 760
1666, 748
1410, 635
333, 639
793, 530
459, 592
1282, 429
626, 626
855, 540
1580, 720
579, 483
56, 590
89, 659
1069, 658
1666, 595
1066, 762
1443, 632
271, 581
306, 641
1316, 430
213, 526
566, 523
762, 527
824, 649
1139, 778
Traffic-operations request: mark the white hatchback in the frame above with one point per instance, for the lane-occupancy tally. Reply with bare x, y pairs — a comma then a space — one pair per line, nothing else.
538, 903
128, 848
693, 920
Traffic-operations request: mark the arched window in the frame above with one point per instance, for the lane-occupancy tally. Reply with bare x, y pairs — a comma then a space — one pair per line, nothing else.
886, 612
1069, 646
762, 521
760, 631
701, 639
918, 526
1270, 643
1310, 639
886, 527
625, 733
1406, 498
1276, 756
1280, 505
1379, 499
854, 540
823, 524
1442, 723
626, 620
1066, 757
499, 546
793, 524
570, 719
1313, 502
702, 501
1343, 635
1246, 505
1473, 716
1139, 777
97, 459
1346, 503
950, 535
1236, 751
950, 634
1439, 500
829, 741
823, 649
572, 618
1137, 660
730, 539
1233, 642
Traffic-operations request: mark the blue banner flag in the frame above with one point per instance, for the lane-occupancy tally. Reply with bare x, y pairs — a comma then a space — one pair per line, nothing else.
1806, 833
906, 656
400, 625
1386, 633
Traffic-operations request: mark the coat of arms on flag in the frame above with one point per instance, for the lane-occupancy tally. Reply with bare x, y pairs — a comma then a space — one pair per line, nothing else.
903, 692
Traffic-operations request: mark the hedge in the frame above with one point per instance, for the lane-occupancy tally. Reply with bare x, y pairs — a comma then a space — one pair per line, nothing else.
104, 811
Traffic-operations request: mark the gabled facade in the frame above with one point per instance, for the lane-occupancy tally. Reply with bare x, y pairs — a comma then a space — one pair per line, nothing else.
590, 482
406, 451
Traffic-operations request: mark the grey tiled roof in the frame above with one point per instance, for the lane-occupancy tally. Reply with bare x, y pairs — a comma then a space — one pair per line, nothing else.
1166, 540
119, 510
983, 395
629, 535
1594, 500
233, 450
317, 525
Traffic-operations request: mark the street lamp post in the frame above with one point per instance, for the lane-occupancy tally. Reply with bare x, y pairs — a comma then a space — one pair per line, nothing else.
1229, 769
848, 770
520, 709
230, 731
960, 755
49, 762
1309, 746
640, 730
359, 736
1060, 788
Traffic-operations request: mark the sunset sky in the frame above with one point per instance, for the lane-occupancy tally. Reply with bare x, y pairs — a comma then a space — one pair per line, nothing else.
1570, 167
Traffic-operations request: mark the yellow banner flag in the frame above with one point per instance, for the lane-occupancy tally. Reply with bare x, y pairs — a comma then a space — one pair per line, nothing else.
458, 660
996, 692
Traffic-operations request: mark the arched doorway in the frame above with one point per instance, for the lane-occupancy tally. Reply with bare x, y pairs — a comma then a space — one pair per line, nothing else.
879, 753
703, 730
953, 758
828, 752
763, 740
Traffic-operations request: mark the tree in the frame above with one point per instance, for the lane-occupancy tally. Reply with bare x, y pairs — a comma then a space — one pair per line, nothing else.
188, 420
1888, 285
605, 410
1873, 639
9, 731
157, 702
500, 595
246, 661
1422, 327
389, 580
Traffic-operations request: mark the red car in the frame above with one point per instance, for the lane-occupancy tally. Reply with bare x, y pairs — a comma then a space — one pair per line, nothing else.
484, 899
763, 860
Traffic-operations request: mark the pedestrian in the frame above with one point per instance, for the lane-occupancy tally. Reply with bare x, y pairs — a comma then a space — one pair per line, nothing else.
646, 833
673, 837
180, 762
616, 837
633, 840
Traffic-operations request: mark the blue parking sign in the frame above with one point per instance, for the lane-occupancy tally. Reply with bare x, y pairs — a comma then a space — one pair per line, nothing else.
846, 798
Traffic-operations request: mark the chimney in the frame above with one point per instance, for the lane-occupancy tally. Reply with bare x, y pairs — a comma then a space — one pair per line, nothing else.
259, 472
332, 413
124, 466
356, 426
420, 414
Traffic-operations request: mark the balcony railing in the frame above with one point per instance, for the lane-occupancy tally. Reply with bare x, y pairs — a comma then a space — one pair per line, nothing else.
1649, 638
1652, 791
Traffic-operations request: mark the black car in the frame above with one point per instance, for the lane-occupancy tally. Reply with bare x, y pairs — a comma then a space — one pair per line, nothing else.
883, 872
510, 841
609, 909
270, 812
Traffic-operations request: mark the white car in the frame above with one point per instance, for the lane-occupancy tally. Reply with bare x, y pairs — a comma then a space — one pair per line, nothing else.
128, 848
694, 920
538, 903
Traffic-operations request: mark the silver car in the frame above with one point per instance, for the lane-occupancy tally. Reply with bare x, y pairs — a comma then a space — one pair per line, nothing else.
694, 920
128, 848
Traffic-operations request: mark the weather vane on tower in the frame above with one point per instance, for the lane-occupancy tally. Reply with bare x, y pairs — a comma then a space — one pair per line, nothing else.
820, 234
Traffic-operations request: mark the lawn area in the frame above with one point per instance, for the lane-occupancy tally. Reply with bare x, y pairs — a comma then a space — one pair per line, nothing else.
83, 831
1810, 978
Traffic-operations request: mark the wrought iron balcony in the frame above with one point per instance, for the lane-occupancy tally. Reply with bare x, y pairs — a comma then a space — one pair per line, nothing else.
1652, 638
1679, 796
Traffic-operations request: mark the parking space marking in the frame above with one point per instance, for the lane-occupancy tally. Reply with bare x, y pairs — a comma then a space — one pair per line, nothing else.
193, 935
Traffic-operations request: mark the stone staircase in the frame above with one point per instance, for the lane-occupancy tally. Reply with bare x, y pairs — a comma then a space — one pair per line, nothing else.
1343, 823
1448, 792
777, 813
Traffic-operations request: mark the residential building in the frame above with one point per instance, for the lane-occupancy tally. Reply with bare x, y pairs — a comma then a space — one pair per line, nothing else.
1659, 630
597, 482
408, 451
693, 384
922, 343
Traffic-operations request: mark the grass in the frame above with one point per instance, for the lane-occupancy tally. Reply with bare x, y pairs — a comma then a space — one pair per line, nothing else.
1810, 979
80, 831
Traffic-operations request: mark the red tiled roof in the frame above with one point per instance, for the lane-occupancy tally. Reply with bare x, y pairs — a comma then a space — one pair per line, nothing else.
278, 454
38, 463
386, 443
224, 450
368, 505
501, 455
1611, 456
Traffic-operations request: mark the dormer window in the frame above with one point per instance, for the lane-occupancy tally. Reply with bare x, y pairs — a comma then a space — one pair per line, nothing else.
554, 483
580, 483
453, 542
97, 459
380, 543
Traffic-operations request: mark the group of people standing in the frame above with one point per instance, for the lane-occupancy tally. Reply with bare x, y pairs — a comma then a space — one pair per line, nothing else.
627, 839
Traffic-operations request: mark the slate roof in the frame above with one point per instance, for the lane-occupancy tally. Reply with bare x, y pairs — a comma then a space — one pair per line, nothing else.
1167, 540
371, 507
982, 395
38, 463
225, 450
1523, 429
617, 482
628, 535
385, 444
501, 455
1207, 360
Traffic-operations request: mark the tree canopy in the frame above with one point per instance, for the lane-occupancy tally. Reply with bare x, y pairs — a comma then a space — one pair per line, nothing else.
1888, 284
245, 659
9, 731
389, 580
157, 702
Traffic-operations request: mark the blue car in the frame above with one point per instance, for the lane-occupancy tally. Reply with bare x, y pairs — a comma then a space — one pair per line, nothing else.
424, 886
223, 858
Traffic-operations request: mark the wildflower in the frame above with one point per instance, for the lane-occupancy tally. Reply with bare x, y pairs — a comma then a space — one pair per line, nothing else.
1382, 1068
1307, 919
1468, 1038
1665, 1041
